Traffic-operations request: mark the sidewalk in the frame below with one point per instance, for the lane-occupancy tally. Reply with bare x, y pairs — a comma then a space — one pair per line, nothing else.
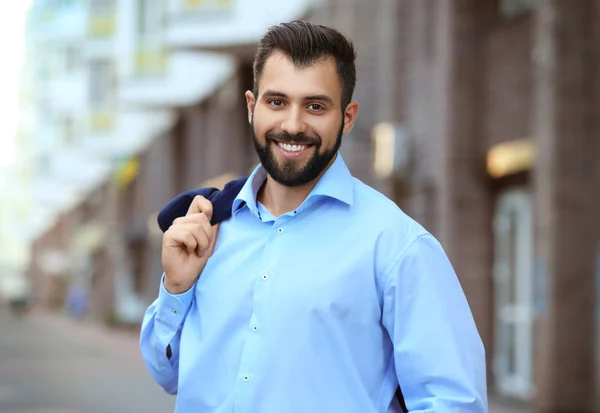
498, 406
49, 363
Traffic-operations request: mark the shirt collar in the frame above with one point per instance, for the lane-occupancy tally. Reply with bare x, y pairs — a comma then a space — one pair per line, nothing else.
336, 183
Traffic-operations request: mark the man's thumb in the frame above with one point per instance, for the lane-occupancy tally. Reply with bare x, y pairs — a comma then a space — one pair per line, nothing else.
201, 205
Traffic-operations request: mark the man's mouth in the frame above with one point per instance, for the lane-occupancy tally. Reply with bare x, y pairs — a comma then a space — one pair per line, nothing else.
293, 147
293, 150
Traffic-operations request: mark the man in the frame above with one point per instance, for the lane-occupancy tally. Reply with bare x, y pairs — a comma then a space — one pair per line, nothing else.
319, 295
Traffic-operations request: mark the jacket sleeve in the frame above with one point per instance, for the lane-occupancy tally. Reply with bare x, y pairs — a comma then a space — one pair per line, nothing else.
438, 354
161, 334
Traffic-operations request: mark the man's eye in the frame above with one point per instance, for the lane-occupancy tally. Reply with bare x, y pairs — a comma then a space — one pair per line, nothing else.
315, 107
276, 102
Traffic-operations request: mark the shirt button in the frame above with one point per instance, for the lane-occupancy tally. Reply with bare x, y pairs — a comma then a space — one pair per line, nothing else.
174, 311
280, 230
246, 378
265, 276
255, 328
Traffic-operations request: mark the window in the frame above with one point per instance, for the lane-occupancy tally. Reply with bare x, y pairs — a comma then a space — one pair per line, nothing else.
44, 64
513, 8
71, 59
68, 132
102, 18
513, 290
101, 95
101, 83
150, 18
102, 6
43, 164
151, 55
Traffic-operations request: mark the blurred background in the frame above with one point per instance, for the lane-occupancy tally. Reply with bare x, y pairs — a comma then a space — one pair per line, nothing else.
481, 119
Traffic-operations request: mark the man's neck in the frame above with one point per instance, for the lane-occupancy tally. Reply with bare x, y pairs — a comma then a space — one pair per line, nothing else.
280, 199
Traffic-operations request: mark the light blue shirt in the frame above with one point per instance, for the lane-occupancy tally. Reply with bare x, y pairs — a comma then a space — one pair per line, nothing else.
322, 310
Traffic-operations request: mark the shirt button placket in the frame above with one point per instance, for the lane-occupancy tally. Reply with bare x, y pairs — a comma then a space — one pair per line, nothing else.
256, 325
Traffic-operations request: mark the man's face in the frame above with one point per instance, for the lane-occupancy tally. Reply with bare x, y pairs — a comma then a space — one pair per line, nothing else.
297, 119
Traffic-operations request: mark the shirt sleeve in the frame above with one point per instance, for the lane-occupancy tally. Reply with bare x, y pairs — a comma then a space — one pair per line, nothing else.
161, 329
438, 353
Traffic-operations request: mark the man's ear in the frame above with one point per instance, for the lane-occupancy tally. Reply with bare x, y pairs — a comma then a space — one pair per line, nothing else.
350, 115
251, 104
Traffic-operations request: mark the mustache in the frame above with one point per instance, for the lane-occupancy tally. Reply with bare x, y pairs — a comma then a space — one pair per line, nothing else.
298, 138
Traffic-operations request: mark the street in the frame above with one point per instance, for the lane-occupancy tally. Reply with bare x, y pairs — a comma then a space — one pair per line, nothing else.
51, 364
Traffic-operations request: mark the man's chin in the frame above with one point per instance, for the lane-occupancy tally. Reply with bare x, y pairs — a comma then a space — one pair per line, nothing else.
286, 176
287, 181
295, 164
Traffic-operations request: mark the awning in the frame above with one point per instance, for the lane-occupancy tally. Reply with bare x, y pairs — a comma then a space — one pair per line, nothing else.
237, 31
192, 77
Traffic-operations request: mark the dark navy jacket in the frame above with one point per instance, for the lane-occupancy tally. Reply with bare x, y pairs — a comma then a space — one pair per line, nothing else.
222, 201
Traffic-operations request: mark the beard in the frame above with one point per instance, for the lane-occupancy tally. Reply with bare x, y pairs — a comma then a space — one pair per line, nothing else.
290, 172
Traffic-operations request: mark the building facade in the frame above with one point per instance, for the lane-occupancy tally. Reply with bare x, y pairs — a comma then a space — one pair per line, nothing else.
478, 118
468, 114
499, 100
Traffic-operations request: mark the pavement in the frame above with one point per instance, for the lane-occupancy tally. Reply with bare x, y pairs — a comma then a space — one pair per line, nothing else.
55, 364
52, 364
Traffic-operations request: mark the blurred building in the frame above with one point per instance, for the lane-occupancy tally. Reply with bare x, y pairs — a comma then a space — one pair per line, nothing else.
16, 198
487, 131
84, 148
126, 119
480, 119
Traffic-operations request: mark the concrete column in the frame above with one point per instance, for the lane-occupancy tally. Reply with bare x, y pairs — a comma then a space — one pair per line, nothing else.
567, 213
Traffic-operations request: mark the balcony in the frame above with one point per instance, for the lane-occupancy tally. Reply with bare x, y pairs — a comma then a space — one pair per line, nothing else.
227, 26
133, 131
189, 78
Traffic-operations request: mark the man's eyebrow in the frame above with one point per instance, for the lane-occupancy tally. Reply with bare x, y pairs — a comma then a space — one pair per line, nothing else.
323, 98
275, 94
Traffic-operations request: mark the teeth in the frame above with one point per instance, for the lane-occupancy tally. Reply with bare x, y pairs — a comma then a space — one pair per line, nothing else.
292, 148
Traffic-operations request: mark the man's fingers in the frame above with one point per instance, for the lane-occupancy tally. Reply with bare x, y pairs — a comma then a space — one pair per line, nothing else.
183, 237
201, 204
202, 233
196, 218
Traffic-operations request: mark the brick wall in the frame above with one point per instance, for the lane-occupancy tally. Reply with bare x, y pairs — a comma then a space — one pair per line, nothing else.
508, 71
46, 292
566, 128
360, 21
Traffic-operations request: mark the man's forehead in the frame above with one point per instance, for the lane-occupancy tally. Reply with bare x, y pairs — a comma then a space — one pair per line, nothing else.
279, 61
320, 77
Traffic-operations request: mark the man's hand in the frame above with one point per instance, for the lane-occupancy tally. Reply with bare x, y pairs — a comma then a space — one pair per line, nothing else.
187, 246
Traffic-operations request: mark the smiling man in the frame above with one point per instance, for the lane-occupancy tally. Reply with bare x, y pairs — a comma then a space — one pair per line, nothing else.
318, 294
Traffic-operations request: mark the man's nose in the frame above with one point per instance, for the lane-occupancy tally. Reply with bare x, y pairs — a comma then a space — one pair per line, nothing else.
294, 122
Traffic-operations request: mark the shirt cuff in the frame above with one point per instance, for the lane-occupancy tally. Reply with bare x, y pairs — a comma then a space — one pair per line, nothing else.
172, 308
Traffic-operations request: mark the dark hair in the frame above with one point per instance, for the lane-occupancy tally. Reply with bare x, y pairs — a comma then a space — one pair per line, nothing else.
305, 44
